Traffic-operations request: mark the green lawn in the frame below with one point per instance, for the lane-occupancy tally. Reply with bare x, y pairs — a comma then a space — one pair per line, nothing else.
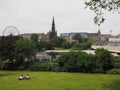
58, 81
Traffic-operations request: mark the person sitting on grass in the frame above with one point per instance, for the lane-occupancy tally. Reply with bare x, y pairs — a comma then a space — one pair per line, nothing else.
27, 77
21, 77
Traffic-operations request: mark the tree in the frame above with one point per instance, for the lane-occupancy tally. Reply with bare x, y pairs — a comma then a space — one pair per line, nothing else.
77, 61
56, 41
24, 50
116, 62
100, 6
7, 51
78, 38
34, 37
84, 46
104, 60
66, 45
85, 43
85, 62
49, 46
7, 47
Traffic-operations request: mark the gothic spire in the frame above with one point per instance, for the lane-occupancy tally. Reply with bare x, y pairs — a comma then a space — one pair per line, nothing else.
53, 25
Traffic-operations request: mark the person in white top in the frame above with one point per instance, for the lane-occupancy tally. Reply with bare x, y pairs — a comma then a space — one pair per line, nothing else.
21, 77
27, 77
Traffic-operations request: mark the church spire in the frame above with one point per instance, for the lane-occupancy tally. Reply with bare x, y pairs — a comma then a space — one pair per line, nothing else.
53, 25
53, 32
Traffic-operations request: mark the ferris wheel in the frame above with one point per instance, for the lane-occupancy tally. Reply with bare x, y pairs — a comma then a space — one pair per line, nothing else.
10, 30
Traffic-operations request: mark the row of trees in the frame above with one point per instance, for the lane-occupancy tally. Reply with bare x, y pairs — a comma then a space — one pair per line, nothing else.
58, 42
84, 62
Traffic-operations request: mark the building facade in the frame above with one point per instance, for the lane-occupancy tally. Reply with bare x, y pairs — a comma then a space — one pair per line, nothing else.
70, 36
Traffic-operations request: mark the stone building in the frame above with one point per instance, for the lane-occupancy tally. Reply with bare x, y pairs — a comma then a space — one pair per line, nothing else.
69, 36
41, 36
94, 36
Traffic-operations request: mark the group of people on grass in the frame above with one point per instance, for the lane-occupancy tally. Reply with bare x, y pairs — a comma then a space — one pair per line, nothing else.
24, 77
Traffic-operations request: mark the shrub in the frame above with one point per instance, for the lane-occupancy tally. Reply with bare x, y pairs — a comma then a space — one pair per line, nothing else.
113, 71
76, 62
116, 62
43, 66
104, 59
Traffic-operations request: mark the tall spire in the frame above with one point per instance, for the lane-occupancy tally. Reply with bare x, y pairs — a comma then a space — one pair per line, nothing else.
53, 32
53, 25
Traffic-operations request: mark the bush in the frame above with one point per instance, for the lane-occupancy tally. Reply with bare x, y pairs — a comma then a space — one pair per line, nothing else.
76, 62
43, 66
113, 71
104, 60
116, 62
6, 65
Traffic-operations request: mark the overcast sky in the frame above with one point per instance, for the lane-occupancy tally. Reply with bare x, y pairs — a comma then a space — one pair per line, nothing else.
35, 16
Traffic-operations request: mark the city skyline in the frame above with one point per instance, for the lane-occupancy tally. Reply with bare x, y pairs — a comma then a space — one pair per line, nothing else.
35, 16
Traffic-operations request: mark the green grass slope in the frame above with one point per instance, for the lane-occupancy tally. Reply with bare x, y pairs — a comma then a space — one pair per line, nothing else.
58, 81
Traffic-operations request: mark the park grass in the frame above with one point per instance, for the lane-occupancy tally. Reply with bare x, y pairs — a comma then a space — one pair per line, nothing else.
58, 81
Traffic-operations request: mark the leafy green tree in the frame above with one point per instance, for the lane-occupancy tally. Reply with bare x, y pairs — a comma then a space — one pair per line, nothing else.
104, 60
66, 45
41, 45
84, 46
63, 61
44, 45
77, 61
80, 61
49, 47
7, 47
90, 63
116, 62
56, 41
85, 62
34, 37
100, 6
78, 38
24, 50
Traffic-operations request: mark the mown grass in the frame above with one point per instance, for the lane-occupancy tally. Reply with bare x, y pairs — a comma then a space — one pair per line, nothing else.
58, 81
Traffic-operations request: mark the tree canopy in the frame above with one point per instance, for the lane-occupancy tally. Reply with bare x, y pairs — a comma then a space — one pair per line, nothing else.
24, 48
80, 61
100, 6
78, 38
7, 47
56, 41
34, 37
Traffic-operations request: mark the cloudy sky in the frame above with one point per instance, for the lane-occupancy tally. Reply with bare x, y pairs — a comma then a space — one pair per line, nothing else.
35, 16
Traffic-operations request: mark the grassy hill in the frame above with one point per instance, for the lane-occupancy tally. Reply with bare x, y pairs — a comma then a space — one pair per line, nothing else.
58, 81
